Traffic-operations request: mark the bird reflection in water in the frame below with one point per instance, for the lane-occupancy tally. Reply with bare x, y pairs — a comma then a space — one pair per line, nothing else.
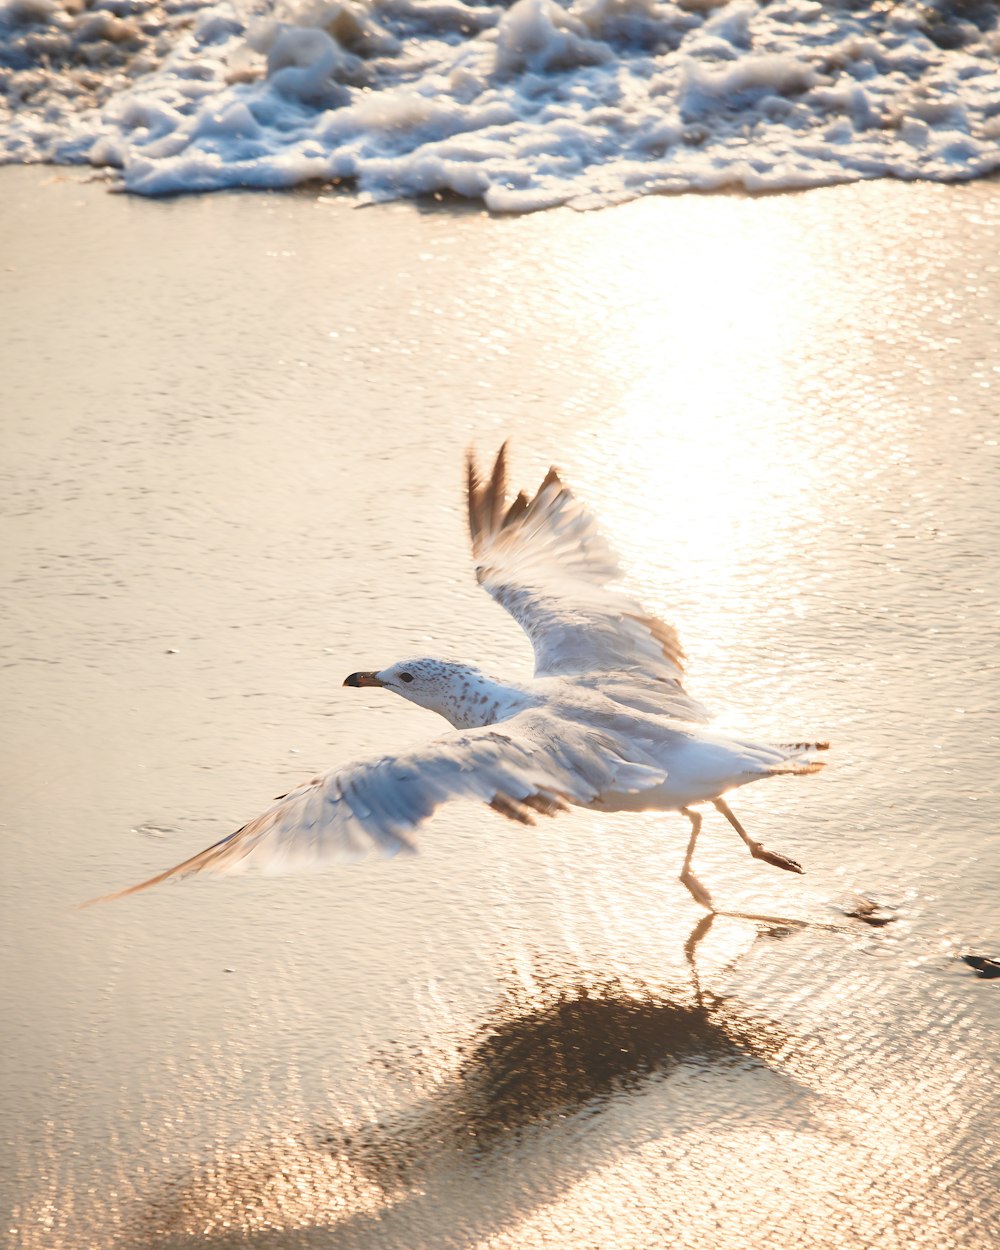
551, 1052
503, 1133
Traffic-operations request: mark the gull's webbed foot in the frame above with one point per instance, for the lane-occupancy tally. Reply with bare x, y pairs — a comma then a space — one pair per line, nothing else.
755, 848
772, 857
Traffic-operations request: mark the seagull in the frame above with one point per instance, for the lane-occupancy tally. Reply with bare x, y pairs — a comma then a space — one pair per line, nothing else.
605, 724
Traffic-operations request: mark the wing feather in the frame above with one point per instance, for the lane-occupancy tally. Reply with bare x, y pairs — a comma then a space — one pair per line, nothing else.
546, 562
372, 806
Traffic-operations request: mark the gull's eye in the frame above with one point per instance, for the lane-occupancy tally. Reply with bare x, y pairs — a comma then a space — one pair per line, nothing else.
406, 677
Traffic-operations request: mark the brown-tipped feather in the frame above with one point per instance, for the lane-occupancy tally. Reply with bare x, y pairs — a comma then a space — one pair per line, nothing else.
805, 769
496, 492
484, 502
551, 478
513, 809
664, 634
516, 510
474, 500
487, 500
178, 870
546, 804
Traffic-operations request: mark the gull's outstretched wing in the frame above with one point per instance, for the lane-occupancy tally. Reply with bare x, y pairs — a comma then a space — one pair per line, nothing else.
545, 560
529, 764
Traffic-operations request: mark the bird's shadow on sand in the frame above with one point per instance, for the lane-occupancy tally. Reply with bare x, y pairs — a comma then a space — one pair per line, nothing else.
501, 1134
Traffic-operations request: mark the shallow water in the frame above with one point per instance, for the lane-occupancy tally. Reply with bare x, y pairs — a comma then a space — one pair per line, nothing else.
232, 474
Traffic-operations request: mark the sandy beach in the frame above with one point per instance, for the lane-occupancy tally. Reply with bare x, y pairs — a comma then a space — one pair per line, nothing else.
231, 457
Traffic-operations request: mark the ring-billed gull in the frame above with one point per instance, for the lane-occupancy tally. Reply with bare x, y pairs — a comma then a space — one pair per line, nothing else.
605, 724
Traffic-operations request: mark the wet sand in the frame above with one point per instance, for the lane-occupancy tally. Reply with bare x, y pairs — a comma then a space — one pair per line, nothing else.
231, 459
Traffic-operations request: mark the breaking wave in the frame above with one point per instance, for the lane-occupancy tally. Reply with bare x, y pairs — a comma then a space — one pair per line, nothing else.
522, 106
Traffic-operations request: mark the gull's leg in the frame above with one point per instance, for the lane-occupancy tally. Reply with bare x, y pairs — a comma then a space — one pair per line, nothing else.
756, 850
695, 888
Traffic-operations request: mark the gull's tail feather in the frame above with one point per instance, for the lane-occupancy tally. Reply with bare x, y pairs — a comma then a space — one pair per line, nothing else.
793, 763
797, 768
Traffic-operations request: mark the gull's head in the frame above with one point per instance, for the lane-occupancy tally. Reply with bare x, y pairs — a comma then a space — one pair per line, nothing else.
441, 686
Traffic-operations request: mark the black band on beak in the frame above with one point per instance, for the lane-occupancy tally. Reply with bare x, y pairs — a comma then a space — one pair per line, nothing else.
363, 679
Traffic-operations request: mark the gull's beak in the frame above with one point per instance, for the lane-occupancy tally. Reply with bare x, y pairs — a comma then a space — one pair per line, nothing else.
363, 679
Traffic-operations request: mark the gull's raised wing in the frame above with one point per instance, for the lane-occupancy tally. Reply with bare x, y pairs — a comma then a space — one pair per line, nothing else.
528, 764
545, 560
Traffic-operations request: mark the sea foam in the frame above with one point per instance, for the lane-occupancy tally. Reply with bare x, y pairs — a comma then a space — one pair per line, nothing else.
523, 106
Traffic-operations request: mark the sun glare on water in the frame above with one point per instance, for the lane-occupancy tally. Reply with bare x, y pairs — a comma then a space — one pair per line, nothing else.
707, 468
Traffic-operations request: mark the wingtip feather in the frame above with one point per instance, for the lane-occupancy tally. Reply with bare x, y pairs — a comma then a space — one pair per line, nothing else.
474, 498
496, 491
129, 889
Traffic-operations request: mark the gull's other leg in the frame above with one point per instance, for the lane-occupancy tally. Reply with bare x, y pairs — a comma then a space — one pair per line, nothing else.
695, 888
756, 850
